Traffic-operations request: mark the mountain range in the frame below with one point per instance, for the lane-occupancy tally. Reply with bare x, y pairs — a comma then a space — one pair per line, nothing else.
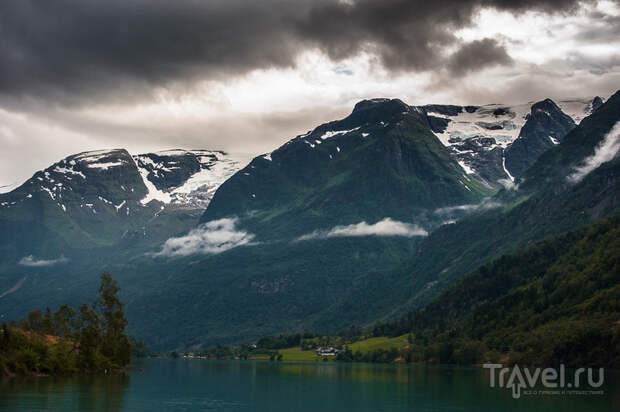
108, 198
358, 220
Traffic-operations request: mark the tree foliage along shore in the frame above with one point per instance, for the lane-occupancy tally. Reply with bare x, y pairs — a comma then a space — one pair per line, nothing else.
89, 340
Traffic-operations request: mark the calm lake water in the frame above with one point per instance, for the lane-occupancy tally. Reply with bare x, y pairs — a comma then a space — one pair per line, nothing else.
198, 385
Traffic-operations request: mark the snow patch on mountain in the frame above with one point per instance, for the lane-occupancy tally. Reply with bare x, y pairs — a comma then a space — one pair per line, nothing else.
120, 206
104, 166
208, 179
176, 179
578, 109
478, 135
499, 122
49, 191
197, 190
95, 156
152, 193
512, 179
69, 170
467, 169
332, 133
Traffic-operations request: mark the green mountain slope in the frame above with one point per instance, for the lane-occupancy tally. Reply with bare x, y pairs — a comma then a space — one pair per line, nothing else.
56, 209
328, 284
557, 301
554, 166
381, 161
107, 202
545, 203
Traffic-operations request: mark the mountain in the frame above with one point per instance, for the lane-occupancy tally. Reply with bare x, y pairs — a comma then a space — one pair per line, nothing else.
104, 197
579, 109
545, 127
186, 179
107, 197
381, 161
309, 219
478, 136
277, 283
556, 301
358, 220
387, 154
544, 201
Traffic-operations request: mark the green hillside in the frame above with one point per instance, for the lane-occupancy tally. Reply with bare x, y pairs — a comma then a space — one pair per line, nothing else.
544, 204
557, 301
381, 161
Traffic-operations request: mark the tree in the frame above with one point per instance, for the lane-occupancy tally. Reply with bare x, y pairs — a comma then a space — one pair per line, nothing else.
115, 343
64, 321
5, 337
47, 325
35, 321
93, 340
89, 338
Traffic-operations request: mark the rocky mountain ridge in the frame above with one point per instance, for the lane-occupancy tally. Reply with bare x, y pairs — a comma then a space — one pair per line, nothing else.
182, 178
479, 137
107, 198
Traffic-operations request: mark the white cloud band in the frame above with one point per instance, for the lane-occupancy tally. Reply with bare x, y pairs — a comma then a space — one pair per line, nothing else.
470, 208
385, 227
31, 261
606, 150
212, 237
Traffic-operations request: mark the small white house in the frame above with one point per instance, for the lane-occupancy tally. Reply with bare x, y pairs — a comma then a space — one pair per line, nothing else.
331, 351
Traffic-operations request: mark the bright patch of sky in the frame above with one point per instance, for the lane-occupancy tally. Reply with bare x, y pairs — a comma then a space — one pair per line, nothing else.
257, 112
538, 38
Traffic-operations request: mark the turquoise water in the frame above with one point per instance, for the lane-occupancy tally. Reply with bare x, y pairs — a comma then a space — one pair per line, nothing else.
199, 385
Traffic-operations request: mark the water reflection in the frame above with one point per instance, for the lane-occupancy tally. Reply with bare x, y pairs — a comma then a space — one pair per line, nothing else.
197, 385
84, 393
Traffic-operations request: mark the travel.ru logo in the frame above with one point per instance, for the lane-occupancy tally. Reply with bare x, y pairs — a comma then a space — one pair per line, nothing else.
551, 379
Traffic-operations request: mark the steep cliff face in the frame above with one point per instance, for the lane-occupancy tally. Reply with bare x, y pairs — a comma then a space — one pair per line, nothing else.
480, 137
545, 127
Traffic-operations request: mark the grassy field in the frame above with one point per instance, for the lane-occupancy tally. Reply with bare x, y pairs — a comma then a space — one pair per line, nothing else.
297, 355
378, 343
259, 357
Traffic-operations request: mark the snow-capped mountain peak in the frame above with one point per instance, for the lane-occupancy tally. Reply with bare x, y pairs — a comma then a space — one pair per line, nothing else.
185, 178
115, 180
477, 136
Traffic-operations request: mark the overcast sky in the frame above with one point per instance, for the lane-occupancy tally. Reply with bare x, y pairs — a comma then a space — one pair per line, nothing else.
245, 76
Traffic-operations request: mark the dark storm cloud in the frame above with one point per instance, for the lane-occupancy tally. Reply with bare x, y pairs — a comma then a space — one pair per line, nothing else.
90, 51
406, 34
65, 48
605, 29
476, 55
